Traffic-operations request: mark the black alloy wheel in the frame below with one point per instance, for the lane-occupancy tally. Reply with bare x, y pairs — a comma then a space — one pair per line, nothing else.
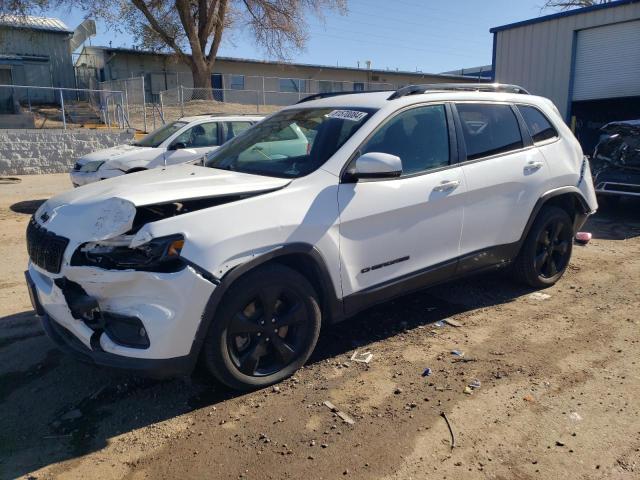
268, 333
552, 247
546, 251
264, 330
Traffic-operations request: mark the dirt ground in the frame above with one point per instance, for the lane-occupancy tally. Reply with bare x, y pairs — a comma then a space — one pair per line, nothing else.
558, 398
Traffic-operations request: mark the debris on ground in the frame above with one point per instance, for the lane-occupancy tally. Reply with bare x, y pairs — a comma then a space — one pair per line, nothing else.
426, 372
457, 353
452, 322
345, 417
364, 357
468, 390
575, 416
475, 384
464, 360
529, 398
439, 323
453, 437
539, 296
582, 238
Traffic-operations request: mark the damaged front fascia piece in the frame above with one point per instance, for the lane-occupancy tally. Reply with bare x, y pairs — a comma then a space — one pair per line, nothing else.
620, 149
136, 249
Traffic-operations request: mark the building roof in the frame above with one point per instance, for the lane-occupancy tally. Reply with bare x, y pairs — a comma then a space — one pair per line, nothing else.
267, 62
567, 13
34, 23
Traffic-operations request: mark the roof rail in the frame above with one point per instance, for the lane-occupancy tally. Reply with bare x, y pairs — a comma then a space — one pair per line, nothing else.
465, 87
317, 96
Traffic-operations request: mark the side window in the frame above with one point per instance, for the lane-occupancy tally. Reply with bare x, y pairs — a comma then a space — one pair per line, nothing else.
236, 128
539, 126
203, 135
420, 137
489, 129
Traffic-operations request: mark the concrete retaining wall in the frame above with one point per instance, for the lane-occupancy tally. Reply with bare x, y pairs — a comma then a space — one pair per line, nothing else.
24, 152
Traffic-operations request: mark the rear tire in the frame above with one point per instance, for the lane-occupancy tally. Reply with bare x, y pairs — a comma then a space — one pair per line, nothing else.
546, 251
265, 328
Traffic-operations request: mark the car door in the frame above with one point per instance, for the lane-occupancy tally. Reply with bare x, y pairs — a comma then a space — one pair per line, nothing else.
505, 176
193, 143
407, 227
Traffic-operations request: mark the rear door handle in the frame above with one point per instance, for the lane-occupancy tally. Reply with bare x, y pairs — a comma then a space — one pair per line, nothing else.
533, 166
447, 185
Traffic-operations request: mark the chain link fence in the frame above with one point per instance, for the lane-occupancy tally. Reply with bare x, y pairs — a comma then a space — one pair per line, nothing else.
24, 106
135, 100
259, 95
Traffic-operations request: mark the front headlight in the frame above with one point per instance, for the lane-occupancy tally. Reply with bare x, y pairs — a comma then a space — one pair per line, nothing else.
91, 166
157, 255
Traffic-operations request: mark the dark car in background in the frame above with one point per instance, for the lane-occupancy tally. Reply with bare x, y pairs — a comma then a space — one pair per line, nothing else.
616, 162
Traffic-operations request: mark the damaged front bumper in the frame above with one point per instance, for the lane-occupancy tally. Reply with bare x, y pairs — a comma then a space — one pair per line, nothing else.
618, 182
140, 321
79, 178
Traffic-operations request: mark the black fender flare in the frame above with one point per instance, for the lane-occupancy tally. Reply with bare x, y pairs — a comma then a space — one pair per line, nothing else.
573, 191
332, 306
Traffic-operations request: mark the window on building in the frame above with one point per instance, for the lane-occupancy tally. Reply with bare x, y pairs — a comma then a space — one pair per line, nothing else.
325, 86
419, 136
237, 82
539, 126
358, 87
293, 85
489, 129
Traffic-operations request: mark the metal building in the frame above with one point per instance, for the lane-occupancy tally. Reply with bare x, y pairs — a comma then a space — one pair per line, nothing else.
35, 51
586, 60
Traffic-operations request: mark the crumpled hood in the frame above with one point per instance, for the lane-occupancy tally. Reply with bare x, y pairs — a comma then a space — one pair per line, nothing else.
121, 152
105, 209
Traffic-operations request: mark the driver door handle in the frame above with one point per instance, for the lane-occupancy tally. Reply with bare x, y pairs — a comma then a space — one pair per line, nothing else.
533, 166
446, 185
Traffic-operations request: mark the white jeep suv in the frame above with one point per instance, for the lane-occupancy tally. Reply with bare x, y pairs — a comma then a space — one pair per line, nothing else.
239, 262
181, 141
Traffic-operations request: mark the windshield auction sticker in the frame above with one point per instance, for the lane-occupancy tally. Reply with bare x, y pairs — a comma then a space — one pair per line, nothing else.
352, 115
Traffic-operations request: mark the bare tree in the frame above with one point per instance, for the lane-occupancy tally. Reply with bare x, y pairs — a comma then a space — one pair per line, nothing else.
569, 4
194, 29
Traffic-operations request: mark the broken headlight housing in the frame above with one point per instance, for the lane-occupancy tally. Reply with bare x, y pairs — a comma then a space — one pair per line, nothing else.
157, 255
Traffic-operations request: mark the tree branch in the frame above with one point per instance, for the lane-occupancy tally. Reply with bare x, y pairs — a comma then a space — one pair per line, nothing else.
153, 22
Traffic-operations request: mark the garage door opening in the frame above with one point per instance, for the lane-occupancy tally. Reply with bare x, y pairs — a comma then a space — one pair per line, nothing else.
589, 116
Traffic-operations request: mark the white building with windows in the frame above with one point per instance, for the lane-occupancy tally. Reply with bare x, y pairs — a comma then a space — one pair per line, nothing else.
281, 83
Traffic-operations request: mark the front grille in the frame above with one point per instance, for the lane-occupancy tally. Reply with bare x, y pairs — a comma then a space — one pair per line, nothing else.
45, 248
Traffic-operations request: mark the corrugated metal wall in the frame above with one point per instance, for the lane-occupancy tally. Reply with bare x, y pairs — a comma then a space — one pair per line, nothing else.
57, 72
539, 56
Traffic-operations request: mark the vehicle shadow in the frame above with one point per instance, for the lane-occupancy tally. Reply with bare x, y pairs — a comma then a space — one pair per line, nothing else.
27, 207
56, 408
619, 222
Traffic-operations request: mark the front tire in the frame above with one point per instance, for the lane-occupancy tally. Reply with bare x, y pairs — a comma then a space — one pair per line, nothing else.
546, 251
264, 330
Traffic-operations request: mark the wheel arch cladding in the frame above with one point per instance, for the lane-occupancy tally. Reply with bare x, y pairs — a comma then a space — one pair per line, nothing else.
303, 258
568, 198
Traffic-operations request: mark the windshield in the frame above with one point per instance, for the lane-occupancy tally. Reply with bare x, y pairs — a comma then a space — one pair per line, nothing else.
155, 138
291, 143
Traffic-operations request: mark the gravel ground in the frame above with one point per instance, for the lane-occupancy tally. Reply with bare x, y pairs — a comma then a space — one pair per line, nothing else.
557, 374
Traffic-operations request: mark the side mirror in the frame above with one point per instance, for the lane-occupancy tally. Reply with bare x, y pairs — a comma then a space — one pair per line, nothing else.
376, 165
177, 146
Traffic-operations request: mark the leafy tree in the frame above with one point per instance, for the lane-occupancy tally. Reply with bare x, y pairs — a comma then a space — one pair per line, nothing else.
194, 29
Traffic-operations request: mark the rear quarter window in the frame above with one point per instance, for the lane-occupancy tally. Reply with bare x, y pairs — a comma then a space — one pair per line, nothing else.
540, 128
489, 129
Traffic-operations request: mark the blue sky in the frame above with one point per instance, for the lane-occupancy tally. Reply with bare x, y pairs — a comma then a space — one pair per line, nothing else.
426, 35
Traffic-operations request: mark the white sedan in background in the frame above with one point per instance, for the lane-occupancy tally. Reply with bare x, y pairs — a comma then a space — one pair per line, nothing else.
181, 141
